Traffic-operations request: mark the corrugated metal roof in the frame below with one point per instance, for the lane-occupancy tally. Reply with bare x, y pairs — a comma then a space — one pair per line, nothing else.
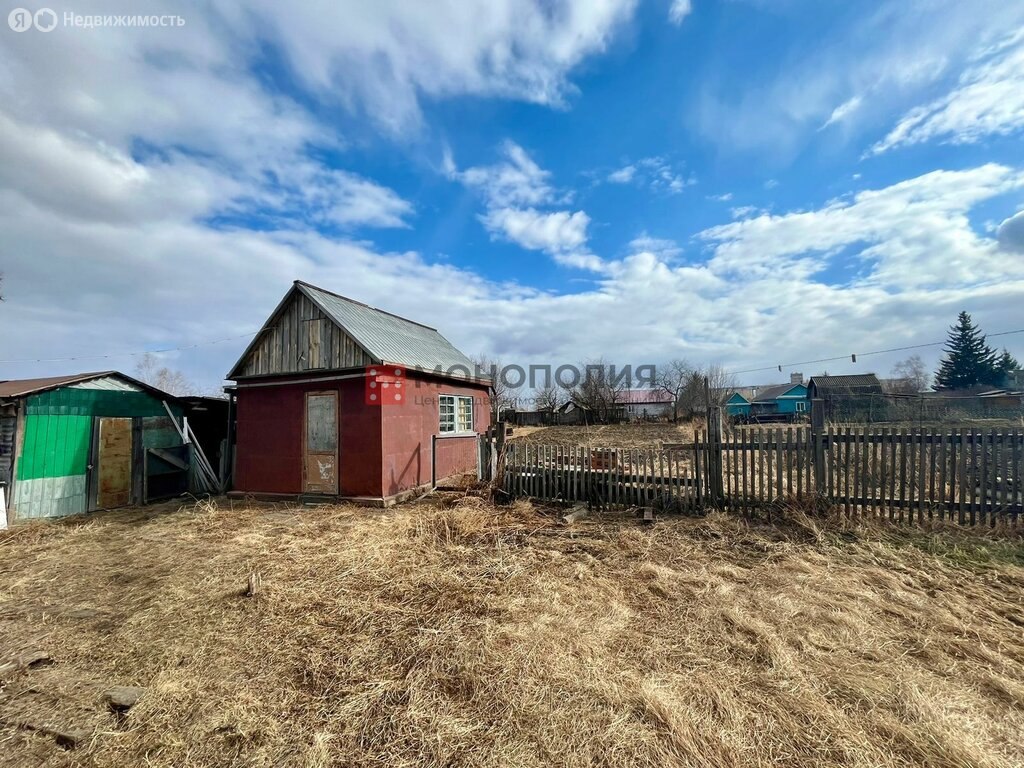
21, 387
773, 392
390, 338
848, 382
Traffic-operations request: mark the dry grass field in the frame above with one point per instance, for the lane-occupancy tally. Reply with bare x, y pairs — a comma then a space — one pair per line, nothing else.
623, 436
451, 633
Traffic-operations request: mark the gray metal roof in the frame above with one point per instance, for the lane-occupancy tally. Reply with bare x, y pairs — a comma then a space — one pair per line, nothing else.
855, 382
773, 392
15, 388
389, 338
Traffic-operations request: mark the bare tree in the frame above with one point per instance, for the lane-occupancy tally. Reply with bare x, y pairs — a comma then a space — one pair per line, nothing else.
174, 382
910, 376
600, 389
549, 397
503, 397
673, 379
705, 386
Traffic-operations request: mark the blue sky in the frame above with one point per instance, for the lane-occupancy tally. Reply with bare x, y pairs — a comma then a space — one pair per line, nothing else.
742, 182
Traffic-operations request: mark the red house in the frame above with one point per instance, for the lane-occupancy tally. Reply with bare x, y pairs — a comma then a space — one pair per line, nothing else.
336, 398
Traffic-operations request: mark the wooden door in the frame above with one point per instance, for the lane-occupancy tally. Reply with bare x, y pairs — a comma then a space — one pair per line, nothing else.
320, 468
114, 459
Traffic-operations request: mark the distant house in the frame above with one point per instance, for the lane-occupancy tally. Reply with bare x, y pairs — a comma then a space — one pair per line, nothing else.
826, 387
738, 404
571, 412
644, 404
88, 441
851, 397
778, 400
337, 398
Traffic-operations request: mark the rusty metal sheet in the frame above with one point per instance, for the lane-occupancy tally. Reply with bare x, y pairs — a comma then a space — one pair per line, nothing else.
114, 487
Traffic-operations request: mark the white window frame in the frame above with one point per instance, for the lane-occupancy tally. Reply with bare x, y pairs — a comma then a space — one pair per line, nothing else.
801, 406
453, 426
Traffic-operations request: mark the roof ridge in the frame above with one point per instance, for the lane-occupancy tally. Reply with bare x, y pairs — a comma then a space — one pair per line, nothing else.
363, 304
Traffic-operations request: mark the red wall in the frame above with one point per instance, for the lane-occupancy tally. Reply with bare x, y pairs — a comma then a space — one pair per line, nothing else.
383, 450
268, 452
408, 429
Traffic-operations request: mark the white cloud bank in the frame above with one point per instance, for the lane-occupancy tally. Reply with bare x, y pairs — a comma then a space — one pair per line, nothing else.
762, 292
912, 235
1010, 234
988, 100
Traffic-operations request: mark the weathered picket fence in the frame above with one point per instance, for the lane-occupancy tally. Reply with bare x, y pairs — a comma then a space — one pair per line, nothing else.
971, 476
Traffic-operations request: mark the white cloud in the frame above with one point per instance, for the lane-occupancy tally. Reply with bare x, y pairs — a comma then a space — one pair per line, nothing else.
723, 198
889, 56
354, 200
679, 10
663, 248
744, 211
843, 111
556, 233
661, 175
383, 57
622, 176
511, 189
910, 235
988, 100
1010, 234
656, 173
516, 180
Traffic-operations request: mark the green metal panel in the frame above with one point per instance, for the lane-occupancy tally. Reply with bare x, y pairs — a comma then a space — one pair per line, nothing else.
58, 427
71, 401
55, 446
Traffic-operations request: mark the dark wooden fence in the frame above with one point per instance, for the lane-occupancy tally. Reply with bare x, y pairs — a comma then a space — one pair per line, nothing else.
970, 476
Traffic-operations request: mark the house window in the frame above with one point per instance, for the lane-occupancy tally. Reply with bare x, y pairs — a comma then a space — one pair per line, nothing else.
801, 406
456, 414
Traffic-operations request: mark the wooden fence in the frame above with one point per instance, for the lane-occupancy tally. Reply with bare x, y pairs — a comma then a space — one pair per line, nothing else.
971, 476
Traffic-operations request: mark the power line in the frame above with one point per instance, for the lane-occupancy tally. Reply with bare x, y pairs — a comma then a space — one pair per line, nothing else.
130, 354
854, 355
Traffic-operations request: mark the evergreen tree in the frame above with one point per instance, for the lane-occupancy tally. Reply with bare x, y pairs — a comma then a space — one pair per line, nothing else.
969, 361
1006, 363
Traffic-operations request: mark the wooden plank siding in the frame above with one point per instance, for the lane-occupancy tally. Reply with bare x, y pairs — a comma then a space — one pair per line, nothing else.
299, 339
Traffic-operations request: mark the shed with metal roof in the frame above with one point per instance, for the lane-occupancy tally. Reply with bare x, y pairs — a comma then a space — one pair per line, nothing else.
846, 398
336, 398
85, 442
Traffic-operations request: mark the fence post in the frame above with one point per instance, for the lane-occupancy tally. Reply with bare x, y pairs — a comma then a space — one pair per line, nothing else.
716, 488
818, 438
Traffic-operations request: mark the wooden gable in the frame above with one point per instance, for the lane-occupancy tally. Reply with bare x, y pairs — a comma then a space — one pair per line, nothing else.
299, 338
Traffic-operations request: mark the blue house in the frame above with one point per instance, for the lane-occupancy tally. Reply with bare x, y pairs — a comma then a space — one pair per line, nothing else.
781, 400
737, 405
